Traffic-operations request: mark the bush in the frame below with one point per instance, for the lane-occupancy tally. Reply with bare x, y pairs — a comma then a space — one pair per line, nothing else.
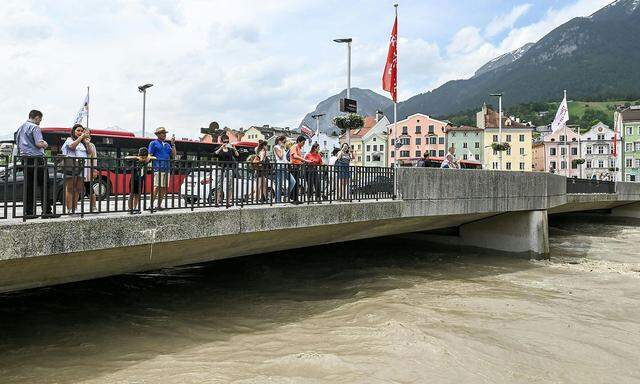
500, 147
350, 121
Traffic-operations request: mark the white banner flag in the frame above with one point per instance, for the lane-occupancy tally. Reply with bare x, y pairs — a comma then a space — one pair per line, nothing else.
562, 116
83, 111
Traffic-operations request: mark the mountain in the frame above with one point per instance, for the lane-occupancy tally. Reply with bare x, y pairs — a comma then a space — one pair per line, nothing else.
593, 58
368, 103
503, 60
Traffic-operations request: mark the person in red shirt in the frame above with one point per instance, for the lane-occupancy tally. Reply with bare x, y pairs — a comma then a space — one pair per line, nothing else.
314, 160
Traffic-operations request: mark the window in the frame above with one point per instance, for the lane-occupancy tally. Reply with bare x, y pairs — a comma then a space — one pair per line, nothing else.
477, 156
629, 131
522, 166
563, 151
375, 148
418, 129
404, 154
552, 151
574, 165
374, 139
508, 138
393, 153
464, 145
495, 165
509, 151
632, 178
495, 138
637, 163
588, 163
563, 165
553, 165
601, 149
440, 153
628, 147
628, 163
433, 140
376, 157
612, 163
508, 165
393, 141
636, 146
418, 153
381, 148
464, 157
368, 148
359, 158
441, 140
600, 163
431, 129
574, 151
405, 130
563, 138
418, 141
477, 144
453, 134
589, 150
368, 158
495, 153
601, 137
521, 138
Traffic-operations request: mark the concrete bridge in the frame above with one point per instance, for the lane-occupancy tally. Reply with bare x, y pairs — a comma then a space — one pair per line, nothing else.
505, 211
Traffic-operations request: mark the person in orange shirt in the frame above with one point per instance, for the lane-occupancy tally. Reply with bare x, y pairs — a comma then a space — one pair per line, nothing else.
314, 161
297, 160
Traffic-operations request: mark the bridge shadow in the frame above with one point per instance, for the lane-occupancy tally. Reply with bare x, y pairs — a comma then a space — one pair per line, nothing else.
123, 320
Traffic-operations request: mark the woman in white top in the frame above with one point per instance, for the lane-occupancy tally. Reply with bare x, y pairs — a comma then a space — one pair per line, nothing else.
75, 147
334, 156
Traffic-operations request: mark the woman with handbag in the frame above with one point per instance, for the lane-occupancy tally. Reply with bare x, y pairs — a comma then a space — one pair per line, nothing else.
75, 151
261, 162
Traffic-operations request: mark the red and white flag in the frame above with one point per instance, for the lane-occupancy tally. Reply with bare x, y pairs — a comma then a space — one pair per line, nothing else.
390, 75
307, 131
84, 111
562, 116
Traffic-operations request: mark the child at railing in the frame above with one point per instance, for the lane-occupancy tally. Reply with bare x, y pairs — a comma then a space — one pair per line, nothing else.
138, 177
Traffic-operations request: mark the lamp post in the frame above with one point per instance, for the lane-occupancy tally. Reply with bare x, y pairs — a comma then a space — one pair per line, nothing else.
499, 96
143, 89
317, 117
348, 42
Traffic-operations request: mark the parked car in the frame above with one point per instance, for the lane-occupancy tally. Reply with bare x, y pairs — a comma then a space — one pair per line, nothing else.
8, 182
201, 186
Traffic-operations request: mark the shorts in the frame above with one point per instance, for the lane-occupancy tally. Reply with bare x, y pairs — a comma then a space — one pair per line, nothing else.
161, 179
88, 188
137, 184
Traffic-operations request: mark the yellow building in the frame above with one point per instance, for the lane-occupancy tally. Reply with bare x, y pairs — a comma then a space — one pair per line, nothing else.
519, 136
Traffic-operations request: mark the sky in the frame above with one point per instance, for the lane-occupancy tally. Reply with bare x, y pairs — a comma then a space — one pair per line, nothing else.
242, 62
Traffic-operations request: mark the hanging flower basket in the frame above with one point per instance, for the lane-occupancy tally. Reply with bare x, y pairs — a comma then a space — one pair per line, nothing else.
577, 162
500, 147
350, 121
613, 169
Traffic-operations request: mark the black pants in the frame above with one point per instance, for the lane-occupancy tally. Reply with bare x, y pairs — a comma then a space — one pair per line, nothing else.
36, 174
313, 183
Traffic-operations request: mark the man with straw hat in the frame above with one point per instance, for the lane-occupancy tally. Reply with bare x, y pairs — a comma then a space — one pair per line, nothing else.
163, 152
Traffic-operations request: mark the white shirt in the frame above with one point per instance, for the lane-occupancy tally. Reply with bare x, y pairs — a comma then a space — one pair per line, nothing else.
282, 160
332, 160
80, 151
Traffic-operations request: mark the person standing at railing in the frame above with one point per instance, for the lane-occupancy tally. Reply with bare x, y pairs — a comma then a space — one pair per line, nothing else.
138, 177
297, 161
163, 152
91, 171
314, 161
262, 169
450, 159
227, 155
281, 174
30, 147
343, 172
75, 151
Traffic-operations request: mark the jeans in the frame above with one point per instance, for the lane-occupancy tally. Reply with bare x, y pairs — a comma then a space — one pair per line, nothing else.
281, 175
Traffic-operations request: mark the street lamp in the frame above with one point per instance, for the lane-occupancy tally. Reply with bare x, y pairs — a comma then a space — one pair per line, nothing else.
143, 89
348, 42
499, 96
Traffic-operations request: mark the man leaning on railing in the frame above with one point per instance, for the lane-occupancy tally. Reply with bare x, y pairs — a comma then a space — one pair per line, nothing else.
30, 148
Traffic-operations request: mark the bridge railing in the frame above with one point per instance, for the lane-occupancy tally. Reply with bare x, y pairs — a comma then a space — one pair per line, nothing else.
588, 186
81, 186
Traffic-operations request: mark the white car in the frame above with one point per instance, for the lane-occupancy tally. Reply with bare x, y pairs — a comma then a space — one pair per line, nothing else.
200, 186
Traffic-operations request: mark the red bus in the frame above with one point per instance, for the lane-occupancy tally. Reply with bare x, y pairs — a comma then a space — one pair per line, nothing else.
116, 144
436, 162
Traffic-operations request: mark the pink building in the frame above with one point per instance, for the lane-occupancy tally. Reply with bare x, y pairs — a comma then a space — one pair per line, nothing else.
560, 151
416, 135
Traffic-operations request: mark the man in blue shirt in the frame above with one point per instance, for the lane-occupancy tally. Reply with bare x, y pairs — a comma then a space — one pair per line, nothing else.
30, 147
163, 152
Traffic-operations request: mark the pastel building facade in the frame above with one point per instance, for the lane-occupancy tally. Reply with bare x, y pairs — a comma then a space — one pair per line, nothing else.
374, 143
597, 149
627, 123
414, 136
519, 136
560, 149
468, 142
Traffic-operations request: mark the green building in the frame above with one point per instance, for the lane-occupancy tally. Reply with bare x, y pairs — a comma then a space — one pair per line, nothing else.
468, 142
627, 124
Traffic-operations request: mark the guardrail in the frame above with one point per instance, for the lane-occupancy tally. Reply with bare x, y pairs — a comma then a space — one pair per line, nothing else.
589, 186
81, 186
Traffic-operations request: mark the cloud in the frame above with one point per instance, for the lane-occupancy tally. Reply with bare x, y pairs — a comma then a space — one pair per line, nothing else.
505, 22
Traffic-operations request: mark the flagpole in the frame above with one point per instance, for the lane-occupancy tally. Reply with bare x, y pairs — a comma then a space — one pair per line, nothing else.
566, 141
87, 107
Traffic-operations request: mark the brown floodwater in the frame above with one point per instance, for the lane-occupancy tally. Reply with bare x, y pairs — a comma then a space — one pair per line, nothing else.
379, 311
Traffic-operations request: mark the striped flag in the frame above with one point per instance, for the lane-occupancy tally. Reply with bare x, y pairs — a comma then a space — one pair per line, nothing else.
307, 131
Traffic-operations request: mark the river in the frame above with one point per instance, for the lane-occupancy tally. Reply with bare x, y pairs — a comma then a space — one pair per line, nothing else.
379, 311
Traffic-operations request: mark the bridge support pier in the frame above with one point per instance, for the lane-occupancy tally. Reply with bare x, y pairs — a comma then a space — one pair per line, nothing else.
525, 232
629, 210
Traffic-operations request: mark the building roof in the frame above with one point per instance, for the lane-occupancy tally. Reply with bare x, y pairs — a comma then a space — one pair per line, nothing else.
369, 122
465, 128
491, 120
631, 114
